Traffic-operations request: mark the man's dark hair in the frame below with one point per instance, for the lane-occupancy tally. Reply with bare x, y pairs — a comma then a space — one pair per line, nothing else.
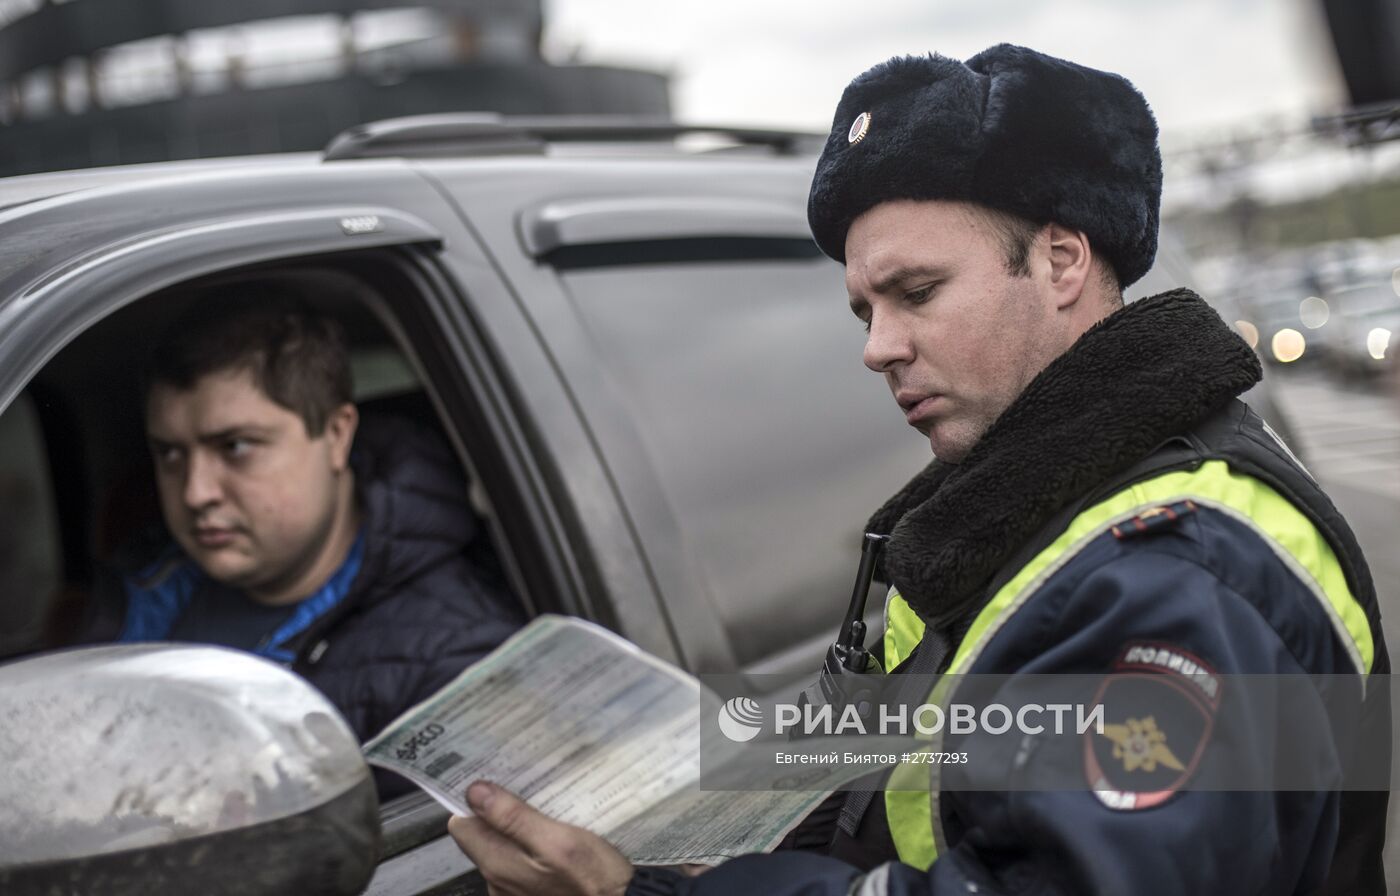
1016, 234
297, 356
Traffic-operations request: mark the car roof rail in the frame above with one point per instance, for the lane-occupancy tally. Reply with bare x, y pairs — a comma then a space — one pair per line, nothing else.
489, 134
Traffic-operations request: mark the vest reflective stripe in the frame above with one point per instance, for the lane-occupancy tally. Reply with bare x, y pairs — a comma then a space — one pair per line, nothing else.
913, 816
906, 791
1281, 526
903, 629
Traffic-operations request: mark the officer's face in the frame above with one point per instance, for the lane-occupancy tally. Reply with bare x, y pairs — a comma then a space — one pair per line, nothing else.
249, 495
956, 336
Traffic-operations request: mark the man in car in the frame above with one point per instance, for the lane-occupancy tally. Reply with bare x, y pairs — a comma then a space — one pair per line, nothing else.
342, 548
1100, 500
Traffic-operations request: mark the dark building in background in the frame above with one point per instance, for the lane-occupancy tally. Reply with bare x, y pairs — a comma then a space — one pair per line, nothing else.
1366, 34
109, 82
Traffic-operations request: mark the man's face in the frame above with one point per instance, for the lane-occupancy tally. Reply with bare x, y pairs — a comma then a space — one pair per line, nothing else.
245, 491
956, 336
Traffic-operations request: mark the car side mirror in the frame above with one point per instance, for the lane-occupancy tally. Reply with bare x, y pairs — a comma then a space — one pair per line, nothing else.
162, 768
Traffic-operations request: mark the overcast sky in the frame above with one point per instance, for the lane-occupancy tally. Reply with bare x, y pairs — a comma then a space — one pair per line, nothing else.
1204, 65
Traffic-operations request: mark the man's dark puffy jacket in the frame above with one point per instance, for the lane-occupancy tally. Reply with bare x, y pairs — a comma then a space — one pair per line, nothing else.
428, 600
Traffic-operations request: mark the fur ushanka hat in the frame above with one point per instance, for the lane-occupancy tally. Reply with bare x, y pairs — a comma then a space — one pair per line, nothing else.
1011, 129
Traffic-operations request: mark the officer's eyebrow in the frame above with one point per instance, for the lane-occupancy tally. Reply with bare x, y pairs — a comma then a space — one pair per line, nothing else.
904, 273
896, 276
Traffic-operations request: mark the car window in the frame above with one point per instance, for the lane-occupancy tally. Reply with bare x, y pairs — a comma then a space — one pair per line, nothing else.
379, 371
771, 441
30, 558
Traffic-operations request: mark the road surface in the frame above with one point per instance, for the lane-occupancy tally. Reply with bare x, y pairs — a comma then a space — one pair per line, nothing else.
1350, 440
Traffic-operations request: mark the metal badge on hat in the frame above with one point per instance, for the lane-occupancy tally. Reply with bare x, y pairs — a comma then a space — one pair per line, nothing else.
859, 128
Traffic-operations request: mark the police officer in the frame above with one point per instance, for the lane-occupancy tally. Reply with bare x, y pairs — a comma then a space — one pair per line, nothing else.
1100, 502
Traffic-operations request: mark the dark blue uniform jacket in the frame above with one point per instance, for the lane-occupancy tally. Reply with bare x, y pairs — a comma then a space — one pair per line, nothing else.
1149, 391
1209, 587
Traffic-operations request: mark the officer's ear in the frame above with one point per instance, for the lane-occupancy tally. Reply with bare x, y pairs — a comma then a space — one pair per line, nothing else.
1069, 260
340, 434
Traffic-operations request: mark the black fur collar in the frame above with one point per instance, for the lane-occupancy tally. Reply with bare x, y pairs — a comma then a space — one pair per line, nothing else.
1153, 369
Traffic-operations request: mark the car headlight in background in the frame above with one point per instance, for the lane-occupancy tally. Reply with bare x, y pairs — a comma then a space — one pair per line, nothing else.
1377, 341
1313, 312
1249, 331
1288, 345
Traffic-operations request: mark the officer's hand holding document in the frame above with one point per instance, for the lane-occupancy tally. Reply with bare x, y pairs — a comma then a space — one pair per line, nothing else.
593, 732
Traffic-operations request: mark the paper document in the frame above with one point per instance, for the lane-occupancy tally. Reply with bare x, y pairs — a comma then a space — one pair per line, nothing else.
593, 732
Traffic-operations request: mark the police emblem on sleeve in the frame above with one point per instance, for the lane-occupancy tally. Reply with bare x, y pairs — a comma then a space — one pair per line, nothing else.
1159, 709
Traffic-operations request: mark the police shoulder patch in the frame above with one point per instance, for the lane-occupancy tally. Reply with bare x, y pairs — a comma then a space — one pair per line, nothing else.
1159, 706
1154, 520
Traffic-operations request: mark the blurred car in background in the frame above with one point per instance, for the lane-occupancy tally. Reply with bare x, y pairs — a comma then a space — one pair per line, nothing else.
1329, 306
1341, 263
1172, 269
1367, 317
1263, 296
1281, 336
